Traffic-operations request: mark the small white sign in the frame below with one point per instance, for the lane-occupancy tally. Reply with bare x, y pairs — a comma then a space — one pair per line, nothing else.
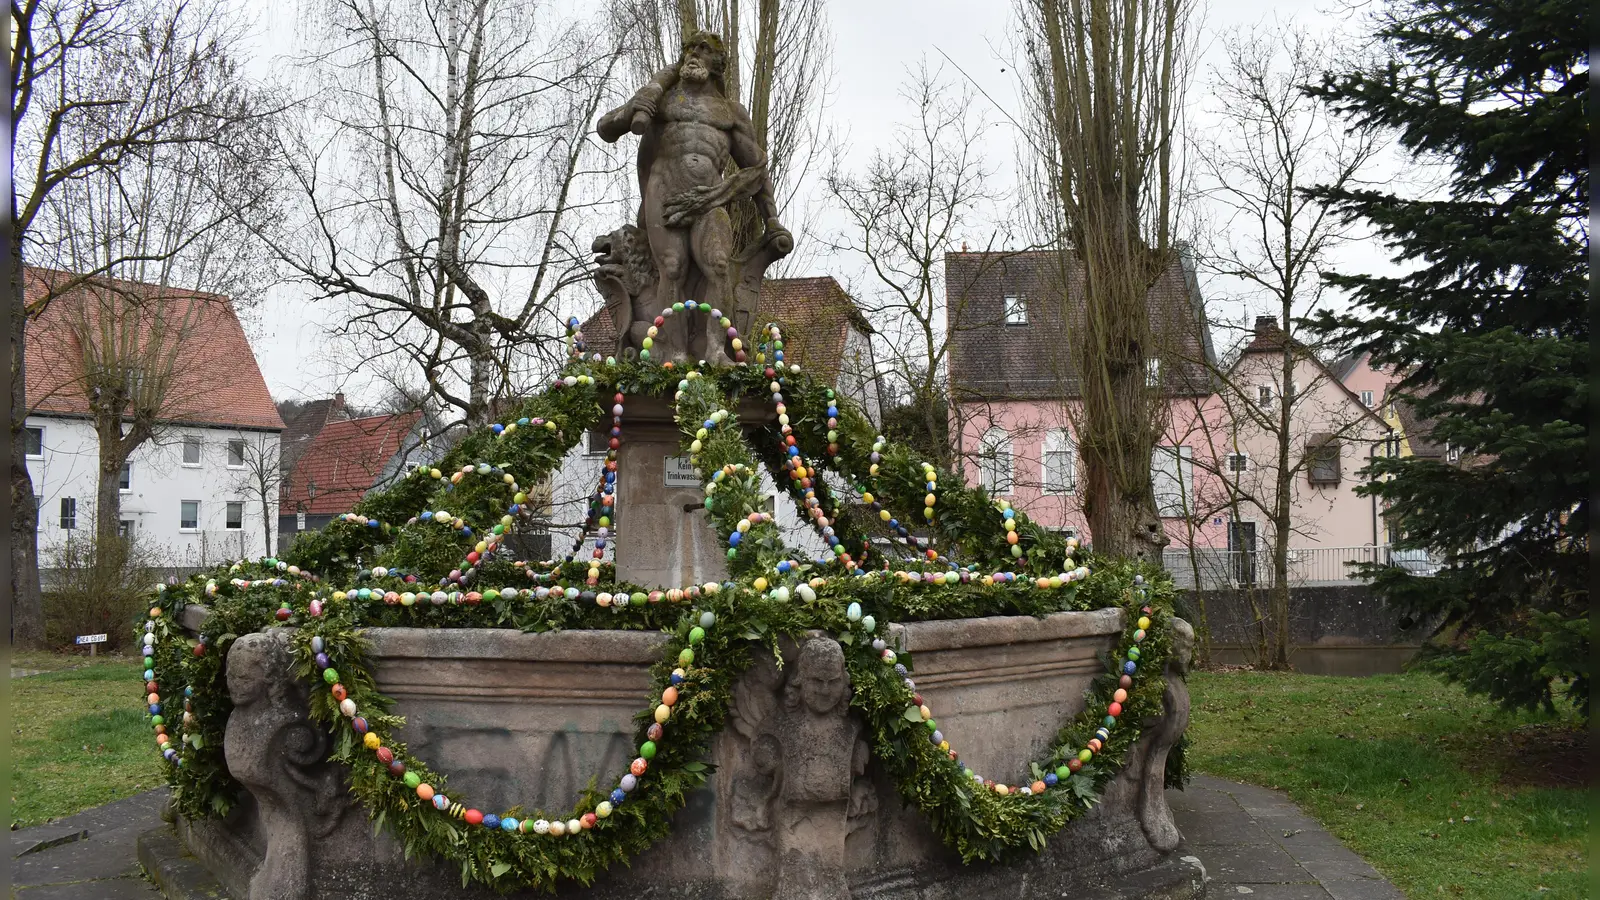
300, 520
90, 639
678, 473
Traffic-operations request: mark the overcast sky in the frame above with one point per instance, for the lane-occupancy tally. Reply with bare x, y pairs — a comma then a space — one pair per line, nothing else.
876, 42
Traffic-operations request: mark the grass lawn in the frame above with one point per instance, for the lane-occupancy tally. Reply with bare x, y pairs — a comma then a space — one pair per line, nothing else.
78, 736
1441, 792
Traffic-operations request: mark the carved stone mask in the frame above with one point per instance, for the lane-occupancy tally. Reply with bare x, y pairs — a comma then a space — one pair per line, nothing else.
823, 686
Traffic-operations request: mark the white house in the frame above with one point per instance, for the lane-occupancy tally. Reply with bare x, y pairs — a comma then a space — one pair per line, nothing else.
204, 489
824, 331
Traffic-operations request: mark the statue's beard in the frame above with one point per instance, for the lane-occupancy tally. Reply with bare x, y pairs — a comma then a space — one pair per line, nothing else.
694, 70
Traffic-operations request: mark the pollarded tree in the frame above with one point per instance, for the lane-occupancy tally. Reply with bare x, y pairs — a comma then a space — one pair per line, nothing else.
1490, 324
1105, 82
133, 137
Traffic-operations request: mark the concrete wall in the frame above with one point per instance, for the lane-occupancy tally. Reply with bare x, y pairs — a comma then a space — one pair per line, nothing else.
160, 481
1335, 630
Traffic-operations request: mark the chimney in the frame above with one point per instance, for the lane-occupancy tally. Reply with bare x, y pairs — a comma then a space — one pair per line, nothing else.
1266, 325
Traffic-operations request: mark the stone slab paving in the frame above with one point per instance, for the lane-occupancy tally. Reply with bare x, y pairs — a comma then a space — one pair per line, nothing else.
87, 856
1253, 842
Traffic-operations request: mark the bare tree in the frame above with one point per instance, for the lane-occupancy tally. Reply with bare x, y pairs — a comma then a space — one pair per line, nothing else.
783, 77
1105, 79
442, 173
134, 346
1272, 142
912, 204
99, 87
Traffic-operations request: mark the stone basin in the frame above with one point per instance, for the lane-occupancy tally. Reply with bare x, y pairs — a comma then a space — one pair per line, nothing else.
528, 719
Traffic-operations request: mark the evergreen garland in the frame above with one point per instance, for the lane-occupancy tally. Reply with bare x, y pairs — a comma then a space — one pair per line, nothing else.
386, 548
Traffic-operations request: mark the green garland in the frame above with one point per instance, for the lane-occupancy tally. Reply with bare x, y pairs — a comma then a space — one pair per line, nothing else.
715, 632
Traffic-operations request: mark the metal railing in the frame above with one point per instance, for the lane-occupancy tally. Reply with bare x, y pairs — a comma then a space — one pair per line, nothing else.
1212, 569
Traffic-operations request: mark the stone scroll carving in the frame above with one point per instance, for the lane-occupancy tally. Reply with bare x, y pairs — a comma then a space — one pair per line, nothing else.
698, 155
801, 786
280, 755
1155, 816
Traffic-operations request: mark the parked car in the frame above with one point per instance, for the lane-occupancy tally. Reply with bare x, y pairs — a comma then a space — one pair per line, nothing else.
1415, 561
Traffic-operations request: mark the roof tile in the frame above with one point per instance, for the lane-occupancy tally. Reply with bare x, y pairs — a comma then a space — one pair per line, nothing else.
343, 461
216, 382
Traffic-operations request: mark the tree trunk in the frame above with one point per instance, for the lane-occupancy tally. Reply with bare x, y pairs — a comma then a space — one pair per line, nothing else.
266, 517
1117, 439
108, 491
27, 607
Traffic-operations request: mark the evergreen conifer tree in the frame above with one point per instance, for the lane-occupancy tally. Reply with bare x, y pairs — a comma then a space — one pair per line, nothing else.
1489, 326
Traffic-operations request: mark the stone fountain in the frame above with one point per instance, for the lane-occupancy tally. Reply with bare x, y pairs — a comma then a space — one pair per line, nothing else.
797, 809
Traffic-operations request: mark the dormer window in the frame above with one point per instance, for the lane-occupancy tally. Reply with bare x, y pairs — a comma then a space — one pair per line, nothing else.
1016, 310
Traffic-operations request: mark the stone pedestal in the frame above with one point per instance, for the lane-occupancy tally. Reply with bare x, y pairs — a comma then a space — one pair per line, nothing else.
796, 810
663, 536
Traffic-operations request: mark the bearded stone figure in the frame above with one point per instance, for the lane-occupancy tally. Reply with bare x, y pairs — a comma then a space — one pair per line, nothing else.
698, 154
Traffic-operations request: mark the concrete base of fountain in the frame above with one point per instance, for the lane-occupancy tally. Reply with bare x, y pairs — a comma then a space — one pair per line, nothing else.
797, 809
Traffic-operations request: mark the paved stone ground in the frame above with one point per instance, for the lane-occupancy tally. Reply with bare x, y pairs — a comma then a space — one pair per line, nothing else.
1253, 842
88, 856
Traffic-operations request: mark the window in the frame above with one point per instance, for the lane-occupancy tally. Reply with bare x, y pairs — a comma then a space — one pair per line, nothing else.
191, 451
598, 443
1322, 459
1016, 310
1152, 373
125, 528
189, 515
1238, 463
1452, 454
33, 442
1264, 396
235, 515
1366, 399
125, 480
69, 513
236, 454
1172, 480
1060, 463
994, 462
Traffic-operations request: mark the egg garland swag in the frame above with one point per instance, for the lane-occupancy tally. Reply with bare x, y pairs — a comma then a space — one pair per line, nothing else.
447, 566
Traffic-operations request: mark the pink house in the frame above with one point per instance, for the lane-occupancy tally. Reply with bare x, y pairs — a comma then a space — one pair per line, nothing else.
1015, 393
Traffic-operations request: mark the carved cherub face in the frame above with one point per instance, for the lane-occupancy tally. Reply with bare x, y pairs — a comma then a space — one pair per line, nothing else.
822, 676
703, 58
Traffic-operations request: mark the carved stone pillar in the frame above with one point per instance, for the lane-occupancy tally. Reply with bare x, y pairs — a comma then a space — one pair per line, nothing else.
279, 754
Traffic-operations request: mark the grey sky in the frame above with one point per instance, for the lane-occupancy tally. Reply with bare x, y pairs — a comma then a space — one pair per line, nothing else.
876, 43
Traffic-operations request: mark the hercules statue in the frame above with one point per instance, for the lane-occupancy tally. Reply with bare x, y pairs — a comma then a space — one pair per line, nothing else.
690, 133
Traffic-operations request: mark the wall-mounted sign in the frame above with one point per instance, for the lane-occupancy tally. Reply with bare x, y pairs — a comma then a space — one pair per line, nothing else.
678, 473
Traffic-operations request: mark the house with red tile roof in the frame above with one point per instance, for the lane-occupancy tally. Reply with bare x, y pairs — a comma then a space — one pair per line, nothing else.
342, 462
191, 496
